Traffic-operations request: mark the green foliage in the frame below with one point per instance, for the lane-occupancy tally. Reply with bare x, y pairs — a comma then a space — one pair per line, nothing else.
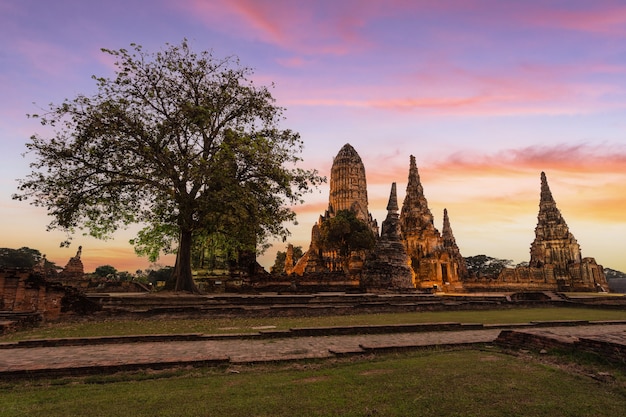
220, 325
162, 274
124, 276
19, 258
485, 383
346, 233
24, 257
483, 265
279, 262
105, 271
181, 142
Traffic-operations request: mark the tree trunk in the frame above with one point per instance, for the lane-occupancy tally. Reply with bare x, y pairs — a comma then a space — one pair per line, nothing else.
182, 269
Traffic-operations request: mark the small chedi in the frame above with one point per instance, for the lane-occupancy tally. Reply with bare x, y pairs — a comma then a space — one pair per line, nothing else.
411, 254
74, 268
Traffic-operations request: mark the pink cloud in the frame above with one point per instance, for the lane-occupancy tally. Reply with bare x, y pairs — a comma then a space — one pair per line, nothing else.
599, 17
572, 161
577, 158
442, 88
293, 62
330, 27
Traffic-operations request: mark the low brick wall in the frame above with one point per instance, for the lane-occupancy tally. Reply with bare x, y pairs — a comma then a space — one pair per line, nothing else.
611, 351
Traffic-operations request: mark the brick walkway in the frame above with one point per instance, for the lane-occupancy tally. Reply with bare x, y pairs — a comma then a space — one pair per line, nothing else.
94, 358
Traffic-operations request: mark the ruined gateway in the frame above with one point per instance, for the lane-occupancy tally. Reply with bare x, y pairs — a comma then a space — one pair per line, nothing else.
411, 254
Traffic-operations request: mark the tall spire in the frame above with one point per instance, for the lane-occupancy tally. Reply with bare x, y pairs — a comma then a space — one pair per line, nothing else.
415, 212
392, 205
449, 243
391, 226
546, 195
553, 244
414, 187
446, 232
388, 265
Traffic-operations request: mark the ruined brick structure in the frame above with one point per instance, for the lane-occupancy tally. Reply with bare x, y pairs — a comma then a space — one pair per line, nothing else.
348, 191
554, 244
74, 268
24, 290
410, 253
435, 260
556, 262
388, 266
449, 243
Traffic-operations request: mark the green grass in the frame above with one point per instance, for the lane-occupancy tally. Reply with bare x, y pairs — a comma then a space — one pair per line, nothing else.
241, 325
443, 383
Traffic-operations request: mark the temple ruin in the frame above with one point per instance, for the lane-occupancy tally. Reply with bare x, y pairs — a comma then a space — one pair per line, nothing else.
348, 191
411, 254
556, 261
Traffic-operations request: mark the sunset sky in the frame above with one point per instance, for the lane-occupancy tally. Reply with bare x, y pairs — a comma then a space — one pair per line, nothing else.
485, 94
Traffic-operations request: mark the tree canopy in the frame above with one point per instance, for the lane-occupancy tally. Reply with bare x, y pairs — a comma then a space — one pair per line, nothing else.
19, 258
346, 233
183, 143
483, 265
104, 271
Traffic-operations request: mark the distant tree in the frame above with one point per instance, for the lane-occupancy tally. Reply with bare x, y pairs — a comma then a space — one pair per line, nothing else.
346, 233
105, 271
614, 274
483, 265
124, 276
23, 257
180, 142
279, 262
161, 274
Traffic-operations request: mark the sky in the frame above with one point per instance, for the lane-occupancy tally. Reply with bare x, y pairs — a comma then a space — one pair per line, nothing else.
485, 94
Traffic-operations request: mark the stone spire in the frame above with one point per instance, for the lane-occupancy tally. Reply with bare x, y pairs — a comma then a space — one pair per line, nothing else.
449, 243
388, 266
392, 205
391, 226
446, 232
416, 219
289, 259
546, 195
553, 244
415, 198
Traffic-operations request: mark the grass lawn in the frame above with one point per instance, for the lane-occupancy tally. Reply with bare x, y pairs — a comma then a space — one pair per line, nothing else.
164, 325
427, 383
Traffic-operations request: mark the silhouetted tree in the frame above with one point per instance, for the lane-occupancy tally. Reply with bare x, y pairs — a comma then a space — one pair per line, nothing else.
105, 271
180, 142
483, 265
23, 257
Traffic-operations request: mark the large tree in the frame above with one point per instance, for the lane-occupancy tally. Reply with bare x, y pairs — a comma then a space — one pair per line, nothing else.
347, 233
181, 142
